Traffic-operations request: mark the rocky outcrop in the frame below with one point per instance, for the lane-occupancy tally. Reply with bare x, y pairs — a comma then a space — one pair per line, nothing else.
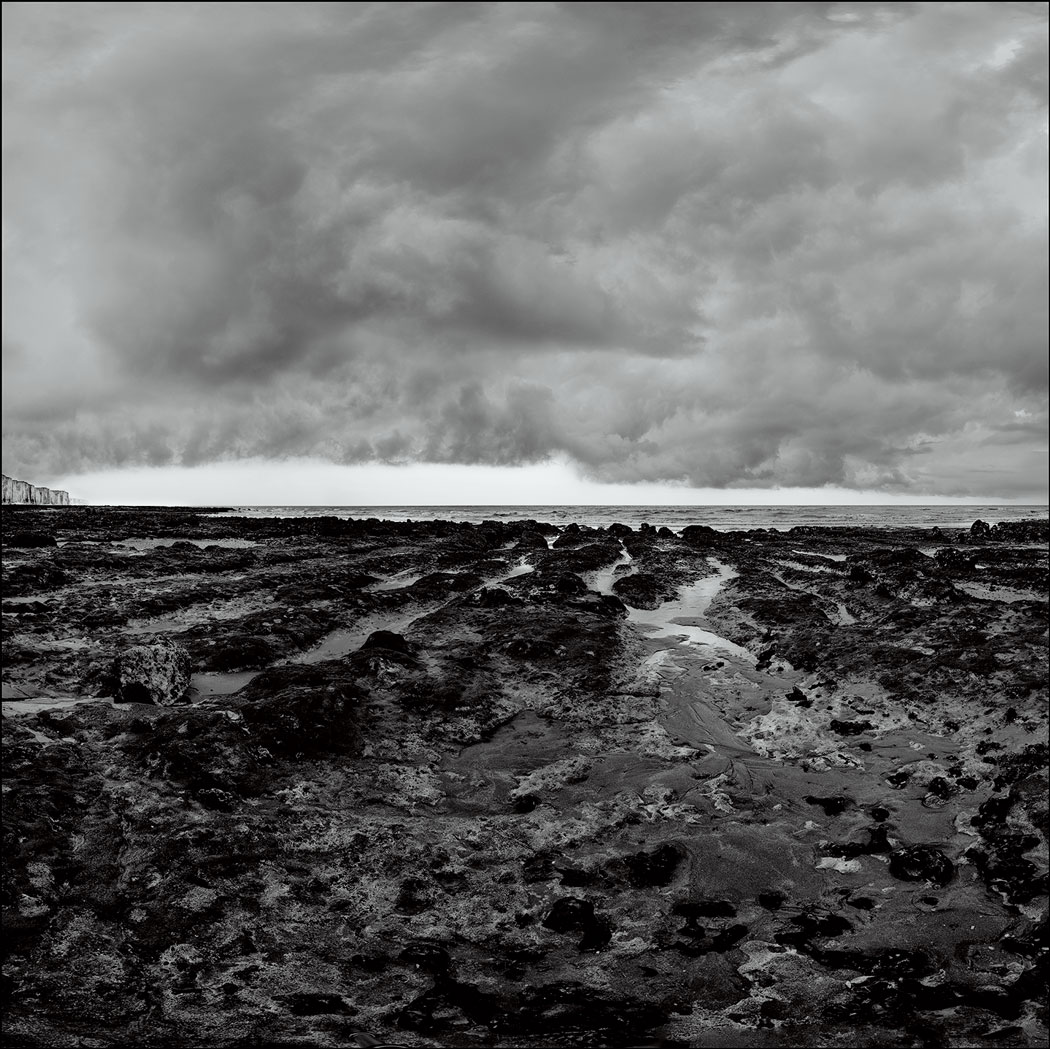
24, 492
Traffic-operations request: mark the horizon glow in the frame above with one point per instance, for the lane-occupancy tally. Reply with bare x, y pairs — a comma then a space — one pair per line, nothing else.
311, 482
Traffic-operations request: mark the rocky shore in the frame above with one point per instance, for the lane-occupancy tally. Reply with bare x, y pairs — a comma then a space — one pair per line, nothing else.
351, 783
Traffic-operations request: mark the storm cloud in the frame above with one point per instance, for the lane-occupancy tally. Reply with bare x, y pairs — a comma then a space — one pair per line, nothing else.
726, 245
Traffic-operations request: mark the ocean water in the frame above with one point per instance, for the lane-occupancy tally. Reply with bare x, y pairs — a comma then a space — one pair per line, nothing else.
723, 518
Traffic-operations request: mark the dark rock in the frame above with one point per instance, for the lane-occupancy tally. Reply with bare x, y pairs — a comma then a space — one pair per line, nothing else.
26, 608
568, 541
531, 649
570, 914
570, 584
1006, 870
431, 957
241, 652
387, 640
811, 925
606, 606
531, 540
596, 935
921, 863
797, 696
772, 901
414, 896
27, 540
24, 580
831, 806
538, 867
706, 908
656, 867
494, 597
576, 878
699, 535
305, 1003
524, 803
303, 710
698, 942
639, 590
861, 903
850, 728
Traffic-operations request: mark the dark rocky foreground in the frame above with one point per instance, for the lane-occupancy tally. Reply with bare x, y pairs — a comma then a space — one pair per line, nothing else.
330, 783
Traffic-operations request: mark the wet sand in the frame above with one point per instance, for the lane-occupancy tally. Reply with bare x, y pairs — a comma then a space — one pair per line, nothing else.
333, 783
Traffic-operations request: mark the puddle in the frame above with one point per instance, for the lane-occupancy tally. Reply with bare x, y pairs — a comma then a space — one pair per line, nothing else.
798, 566
339, 642
697, 597
602, 580
153, 544
984, 592
344, 640
398, 581
193, 616
688, 633
160, 625
828, 557
675, 618
18, 701
521, 568
844, 617
220, 684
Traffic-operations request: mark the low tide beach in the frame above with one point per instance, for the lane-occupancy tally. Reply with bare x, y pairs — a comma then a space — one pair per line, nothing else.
331, 780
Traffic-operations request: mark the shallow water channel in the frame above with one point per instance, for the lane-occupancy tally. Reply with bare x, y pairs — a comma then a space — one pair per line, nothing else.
676, 619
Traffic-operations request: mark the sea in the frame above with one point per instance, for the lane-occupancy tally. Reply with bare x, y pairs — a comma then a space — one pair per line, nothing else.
723, 518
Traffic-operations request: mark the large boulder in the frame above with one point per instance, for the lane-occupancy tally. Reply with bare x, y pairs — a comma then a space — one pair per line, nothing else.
156, 673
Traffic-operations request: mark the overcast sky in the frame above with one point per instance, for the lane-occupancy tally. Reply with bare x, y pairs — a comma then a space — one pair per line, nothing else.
730, 246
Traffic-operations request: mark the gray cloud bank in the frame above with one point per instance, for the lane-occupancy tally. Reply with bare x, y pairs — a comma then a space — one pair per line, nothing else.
723, 244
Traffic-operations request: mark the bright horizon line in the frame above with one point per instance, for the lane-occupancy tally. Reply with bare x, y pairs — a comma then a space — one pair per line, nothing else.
298, 482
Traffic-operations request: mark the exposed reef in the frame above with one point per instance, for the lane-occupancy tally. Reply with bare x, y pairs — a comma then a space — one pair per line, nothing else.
318, 782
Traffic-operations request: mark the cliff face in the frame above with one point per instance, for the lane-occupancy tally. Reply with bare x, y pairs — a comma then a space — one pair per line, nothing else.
24, 492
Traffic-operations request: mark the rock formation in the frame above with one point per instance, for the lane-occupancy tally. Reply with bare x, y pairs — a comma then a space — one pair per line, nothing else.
24, 492
436, 784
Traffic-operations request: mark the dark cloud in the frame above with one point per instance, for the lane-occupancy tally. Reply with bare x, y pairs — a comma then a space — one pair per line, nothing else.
727, 244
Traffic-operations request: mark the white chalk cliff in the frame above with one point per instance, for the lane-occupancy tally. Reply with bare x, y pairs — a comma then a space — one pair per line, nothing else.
24, 492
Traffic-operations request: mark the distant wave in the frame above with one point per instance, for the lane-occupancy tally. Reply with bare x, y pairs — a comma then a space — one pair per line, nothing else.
723, 518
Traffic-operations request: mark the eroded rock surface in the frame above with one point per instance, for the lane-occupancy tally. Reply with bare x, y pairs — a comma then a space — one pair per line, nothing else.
504, 785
